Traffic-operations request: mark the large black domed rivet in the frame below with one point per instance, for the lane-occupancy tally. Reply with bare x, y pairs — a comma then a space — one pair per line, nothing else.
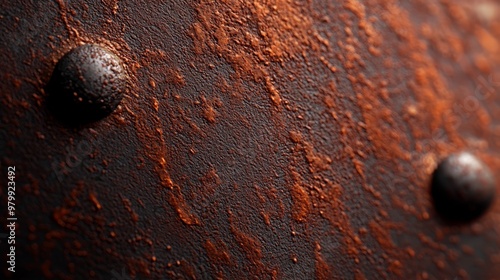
87, 84
462, 188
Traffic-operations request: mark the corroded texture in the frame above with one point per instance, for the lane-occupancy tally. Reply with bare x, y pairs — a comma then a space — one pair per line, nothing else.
259, 139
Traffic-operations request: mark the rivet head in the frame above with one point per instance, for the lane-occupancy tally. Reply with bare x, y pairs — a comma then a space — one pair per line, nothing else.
87, 84
463, 187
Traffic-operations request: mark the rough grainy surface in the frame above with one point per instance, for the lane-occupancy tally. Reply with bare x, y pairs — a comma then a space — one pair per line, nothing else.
260, 139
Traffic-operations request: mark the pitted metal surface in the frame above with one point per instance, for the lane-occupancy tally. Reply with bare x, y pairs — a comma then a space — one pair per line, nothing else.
258, 139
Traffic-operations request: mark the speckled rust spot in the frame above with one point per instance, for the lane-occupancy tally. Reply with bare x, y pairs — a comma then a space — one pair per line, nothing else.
87, 84
462, 187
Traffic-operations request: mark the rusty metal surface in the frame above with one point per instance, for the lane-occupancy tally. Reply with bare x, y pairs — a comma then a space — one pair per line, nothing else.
258, 139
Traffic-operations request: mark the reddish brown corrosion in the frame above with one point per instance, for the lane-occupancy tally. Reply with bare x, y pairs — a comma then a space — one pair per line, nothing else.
259, 139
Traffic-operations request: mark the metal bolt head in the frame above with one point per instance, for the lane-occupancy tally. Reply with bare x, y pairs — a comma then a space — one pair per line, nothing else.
87, 84
463, 187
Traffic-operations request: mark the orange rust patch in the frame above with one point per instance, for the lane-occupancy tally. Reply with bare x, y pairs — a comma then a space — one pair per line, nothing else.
217, 253
301, 202
128, 207
94, 200
282, 31
176, 199
382, 235
323, 270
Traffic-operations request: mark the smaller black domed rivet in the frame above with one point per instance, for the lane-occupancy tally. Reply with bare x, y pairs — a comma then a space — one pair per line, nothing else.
462, 188
87, 84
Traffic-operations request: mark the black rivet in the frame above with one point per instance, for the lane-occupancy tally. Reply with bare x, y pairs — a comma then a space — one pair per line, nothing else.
87, 84
463, 187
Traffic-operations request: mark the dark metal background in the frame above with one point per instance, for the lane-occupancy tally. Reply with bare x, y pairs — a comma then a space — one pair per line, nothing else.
260, 139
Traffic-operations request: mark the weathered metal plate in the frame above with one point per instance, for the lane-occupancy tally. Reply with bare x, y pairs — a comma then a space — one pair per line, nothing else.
259, 139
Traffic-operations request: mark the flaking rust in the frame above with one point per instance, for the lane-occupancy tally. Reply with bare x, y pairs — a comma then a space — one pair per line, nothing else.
254, 139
